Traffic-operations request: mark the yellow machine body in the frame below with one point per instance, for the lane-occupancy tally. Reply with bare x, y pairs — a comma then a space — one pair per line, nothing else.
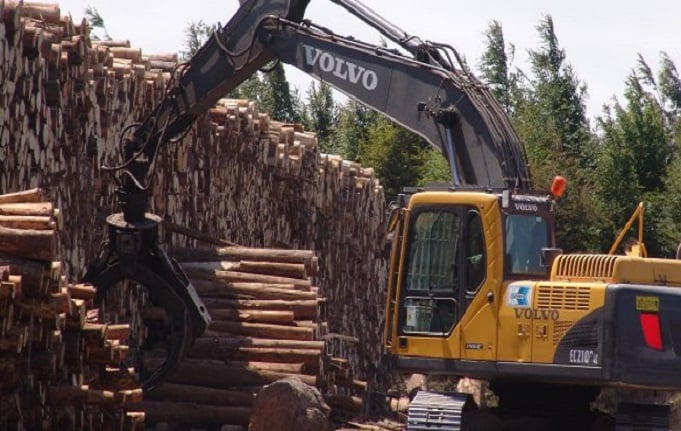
601, 319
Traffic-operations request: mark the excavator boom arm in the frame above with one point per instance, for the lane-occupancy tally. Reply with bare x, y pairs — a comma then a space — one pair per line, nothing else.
425, 93
448, 107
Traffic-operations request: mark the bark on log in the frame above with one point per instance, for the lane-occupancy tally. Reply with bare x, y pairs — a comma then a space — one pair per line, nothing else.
37, 209
304, 257
263, 330
245, 277
287, 292
27, 222
23, 196
302, 309
254, 316
308, 357
201, 395
195, 414
216, 342
29, 243
291, 270
215, 374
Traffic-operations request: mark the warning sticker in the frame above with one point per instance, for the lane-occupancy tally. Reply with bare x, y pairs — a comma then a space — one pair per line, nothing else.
647, 303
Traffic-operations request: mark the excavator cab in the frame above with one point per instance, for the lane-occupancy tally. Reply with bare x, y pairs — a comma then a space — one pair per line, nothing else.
454, 251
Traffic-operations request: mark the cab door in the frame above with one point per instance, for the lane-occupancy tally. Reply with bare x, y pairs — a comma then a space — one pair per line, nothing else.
396, 230
481, 281
444, 268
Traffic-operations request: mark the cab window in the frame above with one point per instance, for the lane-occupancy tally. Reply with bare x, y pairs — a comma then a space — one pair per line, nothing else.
476, 261
431, 287
525, 236
445, 266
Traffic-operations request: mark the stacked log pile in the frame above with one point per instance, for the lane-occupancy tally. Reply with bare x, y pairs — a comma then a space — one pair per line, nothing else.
64, 101
59, 366
268, 324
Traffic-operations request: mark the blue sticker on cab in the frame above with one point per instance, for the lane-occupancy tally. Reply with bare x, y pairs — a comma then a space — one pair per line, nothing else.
519, 295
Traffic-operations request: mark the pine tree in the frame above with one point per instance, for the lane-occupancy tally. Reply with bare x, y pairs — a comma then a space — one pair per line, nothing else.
494, 64
197, 33
95, 20
322, 115
277, 98
397, 155
557, 98
352, 129
640, 146
548, 112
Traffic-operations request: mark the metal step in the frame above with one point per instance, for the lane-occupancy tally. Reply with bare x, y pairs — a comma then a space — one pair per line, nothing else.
437, 411
642, 417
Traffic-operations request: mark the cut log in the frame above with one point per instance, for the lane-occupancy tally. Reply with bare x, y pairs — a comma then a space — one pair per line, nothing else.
194, 414
29, 243
304, 257
251, 290
254, 316
39, 209
201, 395
215, 374
217, 341
24, 196
302, 309
82, 291
310, 358
245, 277
263, 330
291, 270
74, 395
27, 222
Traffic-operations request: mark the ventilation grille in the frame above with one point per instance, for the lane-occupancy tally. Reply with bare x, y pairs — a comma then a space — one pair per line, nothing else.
567, 298
560, 328
574, 267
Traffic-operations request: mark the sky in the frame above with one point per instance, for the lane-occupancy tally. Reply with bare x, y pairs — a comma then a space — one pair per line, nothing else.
601, 38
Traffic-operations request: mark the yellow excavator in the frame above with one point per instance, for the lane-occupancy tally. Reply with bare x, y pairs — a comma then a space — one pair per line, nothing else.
476, 286
477, 289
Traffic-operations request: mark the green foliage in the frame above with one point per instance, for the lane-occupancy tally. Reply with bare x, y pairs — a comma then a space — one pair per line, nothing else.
435, 168
632, 155
495, 63
322, 115
95, 20
352, 130
197, 33
277, 98
548, 112
639, 157
557, 99
397, 155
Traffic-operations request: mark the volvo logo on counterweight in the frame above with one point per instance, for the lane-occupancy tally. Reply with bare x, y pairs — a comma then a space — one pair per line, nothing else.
341, 68
535, 314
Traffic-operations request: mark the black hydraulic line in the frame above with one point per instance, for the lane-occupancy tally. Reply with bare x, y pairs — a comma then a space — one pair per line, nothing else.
411, 43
